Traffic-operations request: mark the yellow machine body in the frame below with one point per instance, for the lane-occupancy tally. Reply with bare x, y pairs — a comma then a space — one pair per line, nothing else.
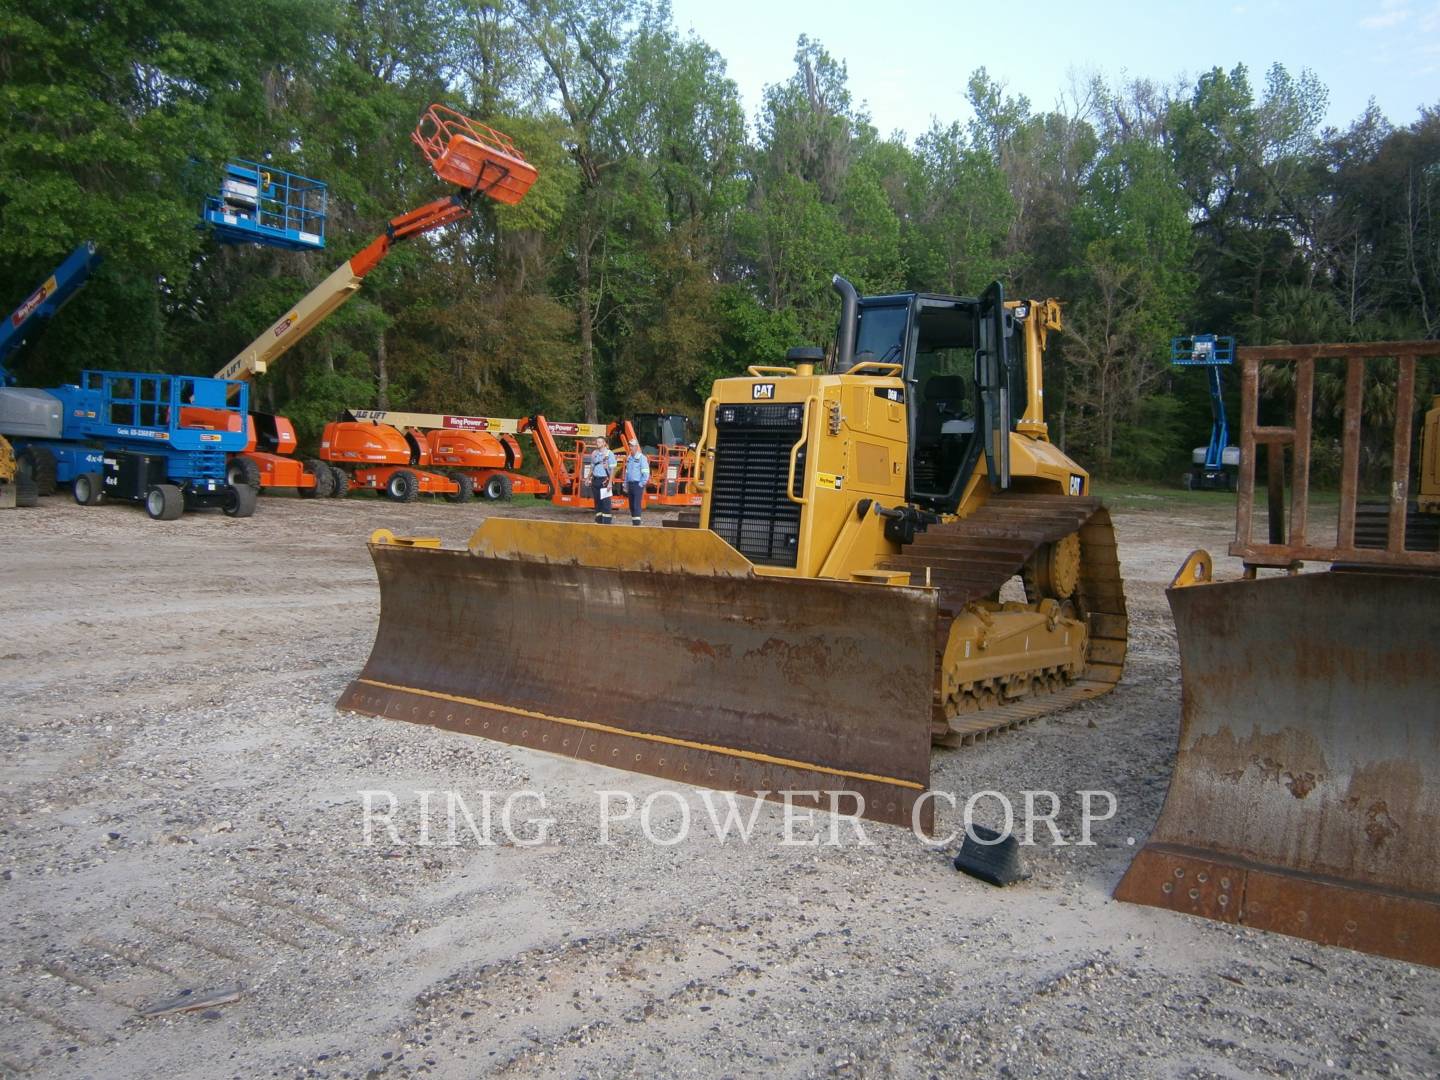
1428, 497
856, 441
15, 489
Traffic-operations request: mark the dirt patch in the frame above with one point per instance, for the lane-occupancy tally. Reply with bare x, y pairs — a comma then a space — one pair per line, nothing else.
183, 820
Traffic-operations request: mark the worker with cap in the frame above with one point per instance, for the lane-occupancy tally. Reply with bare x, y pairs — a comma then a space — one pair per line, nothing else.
602, 476
637, 474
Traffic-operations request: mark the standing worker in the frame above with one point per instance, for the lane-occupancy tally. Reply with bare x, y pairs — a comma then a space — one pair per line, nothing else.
637, 474
602, 475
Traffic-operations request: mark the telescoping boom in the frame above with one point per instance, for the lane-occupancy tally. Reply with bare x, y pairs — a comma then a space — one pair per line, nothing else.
472, 156
49, 297
317, 305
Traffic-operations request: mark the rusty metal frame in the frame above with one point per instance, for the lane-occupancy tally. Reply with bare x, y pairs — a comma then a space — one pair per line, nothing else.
1285, 551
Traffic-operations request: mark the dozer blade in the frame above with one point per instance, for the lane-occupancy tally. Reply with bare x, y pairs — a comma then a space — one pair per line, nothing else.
660, 651
1306, 792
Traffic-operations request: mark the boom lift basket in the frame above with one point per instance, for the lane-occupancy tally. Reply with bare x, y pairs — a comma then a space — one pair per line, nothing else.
472, 155
1202, 350
261, 204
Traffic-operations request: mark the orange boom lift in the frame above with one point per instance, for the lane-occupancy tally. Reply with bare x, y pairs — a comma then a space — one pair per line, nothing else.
486, 450
475, 158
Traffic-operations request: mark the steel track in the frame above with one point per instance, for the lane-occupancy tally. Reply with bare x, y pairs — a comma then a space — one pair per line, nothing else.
972, 558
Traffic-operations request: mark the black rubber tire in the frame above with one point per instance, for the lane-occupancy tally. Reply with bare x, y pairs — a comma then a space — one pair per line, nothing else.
89, 489
242, 470
26, 492
240, 501
324, 485
498, 487
403, 486
164, 502
37, 463
341, 487
466, 485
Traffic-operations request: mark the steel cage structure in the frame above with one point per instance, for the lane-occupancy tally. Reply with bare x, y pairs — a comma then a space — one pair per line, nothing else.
1285, 548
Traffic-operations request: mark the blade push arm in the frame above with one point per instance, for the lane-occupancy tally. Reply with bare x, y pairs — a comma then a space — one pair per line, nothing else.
320, 301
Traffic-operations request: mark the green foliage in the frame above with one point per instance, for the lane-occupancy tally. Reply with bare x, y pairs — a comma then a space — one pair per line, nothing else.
664, 245
323, 396
962, 214
749, 333
1152, 441
1133, 285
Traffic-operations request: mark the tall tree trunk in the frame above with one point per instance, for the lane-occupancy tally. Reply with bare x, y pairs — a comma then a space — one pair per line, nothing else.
382, 375
587, 325
1107, 428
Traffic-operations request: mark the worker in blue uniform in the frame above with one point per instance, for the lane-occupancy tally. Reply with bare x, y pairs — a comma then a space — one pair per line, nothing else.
602, 476
637, 474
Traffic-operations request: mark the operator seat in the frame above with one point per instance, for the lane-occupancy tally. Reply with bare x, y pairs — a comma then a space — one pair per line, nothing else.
945, 409
943, 431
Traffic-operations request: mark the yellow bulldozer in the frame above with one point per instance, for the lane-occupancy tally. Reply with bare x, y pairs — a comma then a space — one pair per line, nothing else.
836, 605
16, 489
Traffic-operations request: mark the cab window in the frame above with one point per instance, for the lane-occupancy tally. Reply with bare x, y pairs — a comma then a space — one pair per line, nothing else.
880, 333
942, 378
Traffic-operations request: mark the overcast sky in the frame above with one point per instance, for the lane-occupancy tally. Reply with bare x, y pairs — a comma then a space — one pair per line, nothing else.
909, 62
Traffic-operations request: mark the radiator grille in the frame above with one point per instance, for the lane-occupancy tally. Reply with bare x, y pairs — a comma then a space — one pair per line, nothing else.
748, 507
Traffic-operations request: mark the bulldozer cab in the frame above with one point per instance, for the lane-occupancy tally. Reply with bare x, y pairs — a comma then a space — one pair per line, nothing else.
655, 430
961, 386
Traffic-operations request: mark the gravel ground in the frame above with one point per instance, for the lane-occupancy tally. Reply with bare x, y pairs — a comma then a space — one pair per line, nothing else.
181, 824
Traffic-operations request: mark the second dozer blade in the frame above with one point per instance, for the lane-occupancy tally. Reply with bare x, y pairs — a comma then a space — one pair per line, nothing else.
1306, 792
660, 652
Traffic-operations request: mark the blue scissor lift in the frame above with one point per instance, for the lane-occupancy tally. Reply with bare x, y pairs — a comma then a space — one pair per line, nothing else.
1215, 467
157, 440
260, 204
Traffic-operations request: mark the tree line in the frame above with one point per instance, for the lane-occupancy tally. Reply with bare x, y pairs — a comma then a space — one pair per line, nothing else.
671, 239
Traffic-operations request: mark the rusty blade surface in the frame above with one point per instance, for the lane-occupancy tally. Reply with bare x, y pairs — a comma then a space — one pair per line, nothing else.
741, 683
1306, 792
